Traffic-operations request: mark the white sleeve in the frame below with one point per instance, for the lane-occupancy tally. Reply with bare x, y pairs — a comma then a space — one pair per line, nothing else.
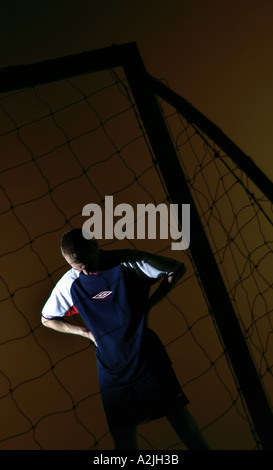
146, 269
60, 300
151, 271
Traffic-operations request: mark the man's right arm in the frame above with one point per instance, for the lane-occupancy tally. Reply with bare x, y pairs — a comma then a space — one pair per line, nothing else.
58, 324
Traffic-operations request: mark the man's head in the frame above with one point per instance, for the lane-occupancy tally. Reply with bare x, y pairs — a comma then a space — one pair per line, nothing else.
82, 254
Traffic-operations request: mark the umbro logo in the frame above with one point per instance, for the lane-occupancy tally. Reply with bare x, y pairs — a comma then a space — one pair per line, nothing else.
101, 295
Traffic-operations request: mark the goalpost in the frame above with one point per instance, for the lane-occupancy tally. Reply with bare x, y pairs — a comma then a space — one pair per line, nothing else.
156, 148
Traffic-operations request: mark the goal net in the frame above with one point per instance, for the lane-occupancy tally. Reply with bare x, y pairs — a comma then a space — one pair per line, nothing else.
71, 142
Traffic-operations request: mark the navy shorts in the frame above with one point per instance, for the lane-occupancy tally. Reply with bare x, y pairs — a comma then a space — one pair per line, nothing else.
153, 397
149, 399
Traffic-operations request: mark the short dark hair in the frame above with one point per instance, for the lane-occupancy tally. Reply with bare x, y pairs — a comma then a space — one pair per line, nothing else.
75, 245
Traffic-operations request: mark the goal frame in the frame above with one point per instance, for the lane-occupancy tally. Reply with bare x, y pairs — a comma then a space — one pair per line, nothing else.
145, 90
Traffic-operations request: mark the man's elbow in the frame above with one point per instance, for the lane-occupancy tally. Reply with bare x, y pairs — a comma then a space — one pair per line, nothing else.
45, 321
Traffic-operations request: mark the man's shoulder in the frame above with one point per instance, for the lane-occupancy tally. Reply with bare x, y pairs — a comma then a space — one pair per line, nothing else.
112, 258
67, 279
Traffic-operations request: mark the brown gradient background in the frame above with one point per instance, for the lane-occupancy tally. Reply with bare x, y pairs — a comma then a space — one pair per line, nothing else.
216, 54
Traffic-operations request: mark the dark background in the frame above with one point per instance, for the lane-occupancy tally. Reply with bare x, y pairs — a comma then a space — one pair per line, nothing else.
217, 55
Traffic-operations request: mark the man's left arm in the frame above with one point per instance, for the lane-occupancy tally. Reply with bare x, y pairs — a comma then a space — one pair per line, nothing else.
168, 270
166, 285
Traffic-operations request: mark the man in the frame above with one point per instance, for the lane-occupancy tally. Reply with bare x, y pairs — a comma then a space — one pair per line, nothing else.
111, 292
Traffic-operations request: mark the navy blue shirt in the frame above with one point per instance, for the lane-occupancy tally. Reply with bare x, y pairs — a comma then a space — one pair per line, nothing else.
113, 304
